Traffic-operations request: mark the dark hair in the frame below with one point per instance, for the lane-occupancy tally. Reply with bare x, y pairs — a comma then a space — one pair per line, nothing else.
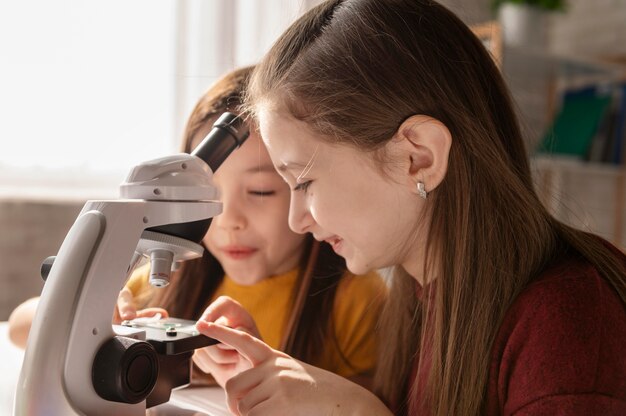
354, 70
197, 280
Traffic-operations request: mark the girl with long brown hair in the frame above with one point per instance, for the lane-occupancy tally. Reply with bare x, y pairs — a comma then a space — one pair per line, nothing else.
394, 129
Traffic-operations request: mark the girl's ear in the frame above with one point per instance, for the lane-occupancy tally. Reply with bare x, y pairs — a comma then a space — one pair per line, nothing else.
422, 144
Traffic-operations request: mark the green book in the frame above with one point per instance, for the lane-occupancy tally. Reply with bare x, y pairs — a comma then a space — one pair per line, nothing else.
575, 126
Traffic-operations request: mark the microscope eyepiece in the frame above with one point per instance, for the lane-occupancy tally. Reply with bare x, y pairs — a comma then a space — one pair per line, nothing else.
228, 133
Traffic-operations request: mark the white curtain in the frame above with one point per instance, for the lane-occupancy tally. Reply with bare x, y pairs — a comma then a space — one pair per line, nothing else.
90, 88
217, 36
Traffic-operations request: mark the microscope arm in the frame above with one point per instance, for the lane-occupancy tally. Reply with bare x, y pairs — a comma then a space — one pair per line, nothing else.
88, 273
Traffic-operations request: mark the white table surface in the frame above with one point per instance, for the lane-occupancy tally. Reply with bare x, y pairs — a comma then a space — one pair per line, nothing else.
10, 363
191, 401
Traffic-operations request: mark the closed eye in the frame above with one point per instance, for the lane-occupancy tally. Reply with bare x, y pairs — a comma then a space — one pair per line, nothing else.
303, 186
262, 193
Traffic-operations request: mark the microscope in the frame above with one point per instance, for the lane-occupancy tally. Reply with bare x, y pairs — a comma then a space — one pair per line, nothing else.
78, 363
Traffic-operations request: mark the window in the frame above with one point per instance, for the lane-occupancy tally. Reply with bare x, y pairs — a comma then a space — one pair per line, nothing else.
88, 89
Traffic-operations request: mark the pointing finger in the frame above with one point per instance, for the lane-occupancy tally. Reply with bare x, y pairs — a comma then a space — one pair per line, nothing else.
255, 350
227, 310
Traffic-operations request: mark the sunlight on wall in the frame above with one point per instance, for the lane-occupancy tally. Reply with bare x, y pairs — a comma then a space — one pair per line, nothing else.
86, 89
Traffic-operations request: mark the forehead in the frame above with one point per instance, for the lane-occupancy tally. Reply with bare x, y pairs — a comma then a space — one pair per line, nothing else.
294, 147
251, 157
289, 141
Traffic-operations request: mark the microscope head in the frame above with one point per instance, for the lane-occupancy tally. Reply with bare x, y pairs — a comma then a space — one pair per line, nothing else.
165, 345
182, 177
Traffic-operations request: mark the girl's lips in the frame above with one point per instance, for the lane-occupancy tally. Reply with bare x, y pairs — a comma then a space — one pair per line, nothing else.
238, 252
336, 243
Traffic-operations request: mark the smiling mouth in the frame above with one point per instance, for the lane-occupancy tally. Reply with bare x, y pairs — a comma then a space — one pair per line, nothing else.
335, 243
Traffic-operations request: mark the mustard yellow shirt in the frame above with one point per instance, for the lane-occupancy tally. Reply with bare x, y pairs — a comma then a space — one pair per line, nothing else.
358, 302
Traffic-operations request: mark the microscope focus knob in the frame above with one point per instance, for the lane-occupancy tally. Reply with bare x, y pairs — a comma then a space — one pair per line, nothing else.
46, 266
125, 370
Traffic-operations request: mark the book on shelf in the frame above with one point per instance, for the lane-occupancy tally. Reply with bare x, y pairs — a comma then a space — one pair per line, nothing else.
590, 124
619, 149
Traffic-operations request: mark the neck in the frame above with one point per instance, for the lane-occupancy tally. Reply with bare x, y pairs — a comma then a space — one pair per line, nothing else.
416, 271
414, 265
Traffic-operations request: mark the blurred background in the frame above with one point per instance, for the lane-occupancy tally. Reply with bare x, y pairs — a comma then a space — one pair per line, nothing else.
89, 89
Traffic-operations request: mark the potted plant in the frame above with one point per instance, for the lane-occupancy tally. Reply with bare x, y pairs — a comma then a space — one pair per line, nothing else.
524, 22
550, 5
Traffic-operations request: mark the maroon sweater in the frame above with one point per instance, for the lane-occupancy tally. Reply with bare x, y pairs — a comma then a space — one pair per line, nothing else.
561, 349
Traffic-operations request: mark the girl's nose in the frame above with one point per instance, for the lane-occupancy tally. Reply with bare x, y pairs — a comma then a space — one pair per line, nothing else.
231, 218
300, 218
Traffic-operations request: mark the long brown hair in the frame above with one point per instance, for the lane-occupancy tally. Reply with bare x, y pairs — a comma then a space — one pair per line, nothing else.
354, 70
195, 283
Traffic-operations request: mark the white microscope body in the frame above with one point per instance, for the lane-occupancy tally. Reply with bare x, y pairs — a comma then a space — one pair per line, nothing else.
73, 320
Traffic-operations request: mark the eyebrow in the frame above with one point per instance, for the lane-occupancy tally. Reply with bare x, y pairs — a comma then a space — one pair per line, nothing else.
290, 165
261, 168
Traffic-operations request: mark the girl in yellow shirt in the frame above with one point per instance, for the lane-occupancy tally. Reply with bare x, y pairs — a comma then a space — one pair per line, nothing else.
302, 297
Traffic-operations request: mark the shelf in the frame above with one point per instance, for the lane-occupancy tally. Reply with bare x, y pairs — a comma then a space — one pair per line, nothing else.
590, 196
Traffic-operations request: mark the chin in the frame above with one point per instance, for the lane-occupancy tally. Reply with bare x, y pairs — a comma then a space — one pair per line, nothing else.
243, 277
357, 267
246, 280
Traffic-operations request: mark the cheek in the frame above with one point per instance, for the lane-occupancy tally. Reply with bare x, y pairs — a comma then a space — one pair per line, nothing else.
281, 243
336, 210
361, 212
209, 237
270, 217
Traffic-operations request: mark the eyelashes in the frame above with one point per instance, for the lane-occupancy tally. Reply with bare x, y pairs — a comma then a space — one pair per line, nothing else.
303, 186
262, 193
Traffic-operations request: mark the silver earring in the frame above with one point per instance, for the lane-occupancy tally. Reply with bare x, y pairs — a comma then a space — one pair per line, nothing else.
421, 190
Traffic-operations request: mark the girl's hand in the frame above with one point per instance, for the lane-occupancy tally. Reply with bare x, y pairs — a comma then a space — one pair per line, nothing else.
126, 310
222, 361
279, 384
